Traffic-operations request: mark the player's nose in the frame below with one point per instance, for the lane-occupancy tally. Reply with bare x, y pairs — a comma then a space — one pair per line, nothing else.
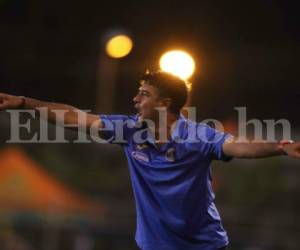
135, 99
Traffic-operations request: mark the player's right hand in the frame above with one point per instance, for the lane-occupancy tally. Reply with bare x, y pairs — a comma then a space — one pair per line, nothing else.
10, 101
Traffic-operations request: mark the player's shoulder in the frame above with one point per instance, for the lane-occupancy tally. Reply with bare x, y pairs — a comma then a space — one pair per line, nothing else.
202, 129
116, 117
197, 125
119, 120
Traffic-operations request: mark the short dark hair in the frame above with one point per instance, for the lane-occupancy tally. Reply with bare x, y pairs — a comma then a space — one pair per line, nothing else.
169, 86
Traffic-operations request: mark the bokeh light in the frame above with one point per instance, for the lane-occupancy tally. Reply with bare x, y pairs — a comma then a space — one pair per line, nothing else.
119, 46
178, 62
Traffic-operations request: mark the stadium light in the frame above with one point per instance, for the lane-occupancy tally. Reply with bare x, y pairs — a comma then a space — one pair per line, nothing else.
119, 46
178, 62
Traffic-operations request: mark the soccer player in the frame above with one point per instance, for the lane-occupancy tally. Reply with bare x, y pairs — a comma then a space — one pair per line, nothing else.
169, 160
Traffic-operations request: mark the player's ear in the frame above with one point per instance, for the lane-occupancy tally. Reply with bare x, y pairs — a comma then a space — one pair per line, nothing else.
167, 102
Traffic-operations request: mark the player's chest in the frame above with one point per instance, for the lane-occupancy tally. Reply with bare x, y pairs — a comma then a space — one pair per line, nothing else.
166, 154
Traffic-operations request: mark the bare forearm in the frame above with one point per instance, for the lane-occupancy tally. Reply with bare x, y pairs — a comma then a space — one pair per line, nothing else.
252, 150
53, 112
50, 110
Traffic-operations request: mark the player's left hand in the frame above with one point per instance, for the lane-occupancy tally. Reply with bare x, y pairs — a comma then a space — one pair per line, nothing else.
292, 150
10, 101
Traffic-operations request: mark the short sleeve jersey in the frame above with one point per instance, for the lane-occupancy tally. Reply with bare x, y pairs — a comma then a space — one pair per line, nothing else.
172, 185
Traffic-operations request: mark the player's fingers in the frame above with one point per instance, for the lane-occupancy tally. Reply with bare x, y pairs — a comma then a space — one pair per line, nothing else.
2, 95
296, 155
3, 106
296, 147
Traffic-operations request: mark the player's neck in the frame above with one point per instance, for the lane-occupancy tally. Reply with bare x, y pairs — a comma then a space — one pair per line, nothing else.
164, 127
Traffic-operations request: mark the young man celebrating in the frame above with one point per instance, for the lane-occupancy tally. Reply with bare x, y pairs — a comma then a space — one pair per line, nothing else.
169, 161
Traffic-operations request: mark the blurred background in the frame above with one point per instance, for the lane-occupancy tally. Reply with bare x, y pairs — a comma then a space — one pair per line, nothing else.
78, 196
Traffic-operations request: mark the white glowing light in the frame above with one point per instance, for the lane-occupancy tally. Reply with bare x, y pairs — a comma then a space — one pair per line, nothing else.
179, 63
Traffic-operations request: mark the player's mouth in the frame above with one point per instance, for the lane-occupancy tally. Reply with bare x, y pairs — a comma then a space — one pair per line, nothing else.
139, 112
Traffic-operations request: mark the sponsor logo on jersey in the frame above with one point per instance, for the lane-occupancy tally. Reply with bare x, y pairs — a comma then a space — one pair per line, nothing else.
140, 156
170, 155
141, 146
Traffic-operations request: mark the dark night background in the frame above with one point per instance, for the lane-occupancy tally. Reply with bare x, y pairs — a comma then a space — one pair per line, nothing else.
247, 54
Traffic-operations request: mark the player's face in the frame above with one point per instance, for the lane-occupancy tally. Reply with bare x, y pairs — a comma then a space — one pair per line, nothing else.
146, 100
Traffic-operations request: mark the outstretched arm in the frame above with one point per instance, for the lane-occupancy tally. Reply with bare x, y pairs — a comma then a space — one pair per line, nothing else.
71, 116
261, 149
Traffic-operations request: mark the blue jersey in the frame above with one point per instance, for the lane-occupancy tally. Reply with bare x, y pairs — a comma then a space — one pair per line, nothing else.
172, 184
